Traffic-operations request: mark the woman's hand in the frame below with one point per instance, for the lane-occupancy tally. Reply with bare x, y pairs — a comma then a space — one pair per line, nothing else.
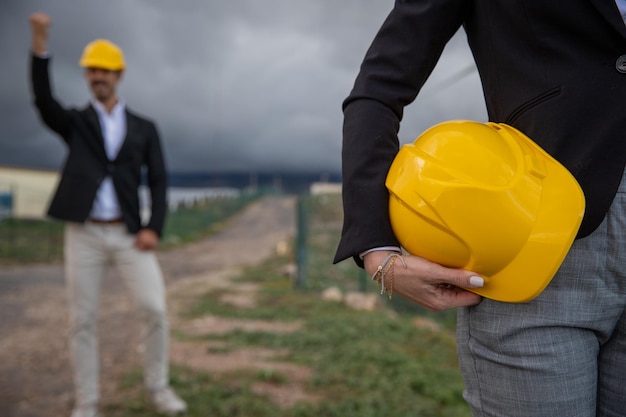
426, 283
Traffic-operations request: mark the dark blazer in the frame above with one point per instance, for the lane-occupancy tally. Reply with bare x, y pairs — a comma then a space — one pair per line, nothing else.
555, 70
87, 164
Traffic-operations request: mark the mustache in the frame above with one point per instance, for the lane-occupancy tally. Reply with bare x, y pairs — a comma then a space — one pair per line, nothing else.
97, 83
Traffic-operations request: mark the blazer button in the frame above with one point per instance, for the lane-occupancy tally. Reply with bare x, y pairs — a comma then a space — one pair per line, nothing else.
620, 64
111, 167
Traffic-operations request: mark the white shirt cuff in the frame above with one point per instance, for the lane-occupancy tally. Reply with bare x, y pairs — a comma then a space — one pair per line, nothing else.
391, 248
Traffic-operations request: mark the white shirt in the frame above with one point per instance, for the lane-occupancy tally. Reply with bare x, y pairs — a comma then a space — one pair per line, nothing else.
621, 5
113, 125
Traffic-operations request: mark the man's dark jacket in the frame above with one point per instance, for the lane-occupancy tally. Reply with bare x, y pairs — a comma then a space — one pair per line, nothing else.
554, 69
87, 164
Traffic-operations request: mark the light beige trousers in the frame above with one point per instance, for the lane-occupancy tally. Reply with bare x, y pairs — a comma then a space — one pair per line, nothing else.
89, 249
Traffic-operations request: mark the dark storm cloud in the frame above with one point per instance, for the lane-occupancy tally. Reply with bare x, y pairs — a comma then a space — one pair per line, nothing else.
232, 85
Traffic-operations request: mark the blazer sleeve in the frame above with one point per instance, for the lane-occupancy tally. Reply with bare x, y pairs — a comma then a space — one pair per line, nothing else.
52, 113
397, 64
157, 180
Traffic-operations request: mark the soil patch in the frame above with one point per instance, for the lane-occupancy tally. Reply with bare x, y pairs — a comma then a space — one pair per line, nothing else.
35, 377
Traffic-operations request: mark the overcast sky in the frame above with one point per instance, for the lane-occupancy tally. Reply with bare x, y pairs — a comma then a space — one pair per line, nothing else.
233, 85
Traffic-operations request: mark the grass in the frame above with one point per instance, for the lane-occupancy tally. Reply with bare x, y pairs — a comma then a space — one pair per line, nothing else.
187, 224
30, 241
363, 363
35, 241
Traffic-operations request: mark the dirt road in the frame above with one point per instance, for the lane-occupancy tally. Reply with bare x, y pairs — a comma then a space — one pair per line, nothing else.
35, 379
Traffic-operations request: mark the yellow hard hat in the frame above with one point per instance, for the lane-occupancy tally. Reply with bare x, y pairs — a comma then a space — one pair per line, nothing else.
485, 198
102, 53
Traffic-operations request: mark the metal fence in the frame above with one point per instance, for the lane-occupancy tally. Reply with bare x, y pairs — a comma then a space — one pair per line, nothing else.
318, 227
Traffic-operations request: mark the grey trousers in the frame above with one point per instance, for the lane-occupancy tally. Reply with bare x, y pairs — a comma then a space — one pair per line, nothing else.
563, 353
89, 249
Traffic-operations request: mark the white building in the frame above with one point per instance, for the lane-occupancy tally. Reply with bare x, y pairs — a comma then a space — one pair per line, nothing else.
25, 193
321, 188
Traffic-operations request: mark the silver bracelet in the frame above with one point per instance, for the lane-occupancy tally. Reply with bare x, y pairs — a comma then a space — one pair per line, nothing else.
381, 271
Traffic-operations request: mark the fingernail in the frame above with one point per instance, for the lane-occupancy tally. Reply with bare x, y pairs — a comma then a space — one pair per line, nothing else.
476, 282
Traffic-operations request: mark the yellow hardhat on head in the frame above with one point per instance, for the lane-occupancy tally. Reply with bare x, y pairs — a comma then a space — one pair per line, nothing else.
485, 198
102, 53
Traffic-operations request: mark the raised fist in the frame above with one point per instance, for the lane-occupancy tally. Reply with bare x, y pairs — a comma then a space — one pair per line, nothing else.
40, 21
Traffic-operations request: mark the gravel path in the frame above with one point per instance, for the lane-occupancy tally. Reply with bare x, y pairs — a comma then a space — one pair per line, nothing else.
35, 379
